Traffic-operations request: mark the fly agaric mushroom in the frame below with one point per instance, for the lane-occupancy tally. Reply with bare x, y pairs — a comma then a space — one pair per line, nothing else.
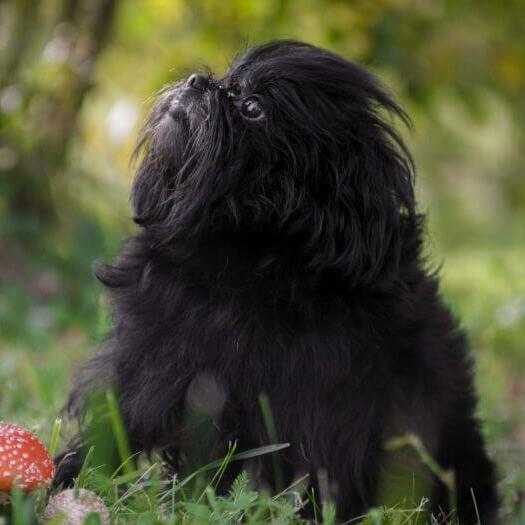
75, 505
24, 460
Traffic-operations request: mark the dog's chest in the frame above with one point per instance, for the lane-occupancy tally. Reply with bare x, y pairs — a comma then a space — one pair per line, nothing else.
259, 334
255, 345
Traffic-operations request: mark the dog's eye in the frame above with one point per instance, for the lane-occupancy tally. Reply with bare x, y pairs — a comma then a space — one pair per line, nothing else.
251, 108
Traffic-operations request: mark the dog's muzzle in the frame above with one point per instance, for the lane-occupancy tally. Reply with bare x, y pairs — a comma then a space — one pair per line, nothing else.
189, 96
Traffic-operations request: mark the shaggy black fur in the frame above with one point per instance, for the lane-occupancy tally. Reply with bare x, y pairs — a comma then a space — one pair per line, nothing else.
279, 253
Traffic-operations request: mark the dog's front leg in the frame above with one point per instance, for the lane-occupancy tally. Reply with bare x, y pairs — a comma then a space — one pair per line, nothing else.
152, 408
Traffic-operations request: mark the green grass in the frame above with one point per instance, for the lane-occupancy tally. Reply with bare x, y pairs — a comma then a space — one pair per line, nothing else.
50, 327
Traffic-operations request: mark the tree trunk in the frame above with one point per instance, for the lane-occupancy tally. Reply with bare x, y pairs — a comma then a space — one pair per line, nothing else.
37, 133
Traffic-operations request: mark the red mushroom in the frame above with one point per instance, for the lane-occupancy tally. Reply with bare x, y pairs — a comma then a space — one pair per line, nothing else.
24, 460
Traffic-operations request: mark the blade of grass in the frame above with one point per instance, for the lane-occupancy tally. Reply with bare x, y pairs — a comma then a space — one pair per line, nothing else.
269, 423
55, 436
82, 475
475, 507
220, 472
119, 432
248, 454
20, 509
212, 500
446, 477
137, 485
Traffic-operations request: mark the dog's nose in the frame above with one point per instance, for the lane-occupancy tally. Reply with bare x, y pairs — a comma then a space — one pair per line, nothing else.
197, 81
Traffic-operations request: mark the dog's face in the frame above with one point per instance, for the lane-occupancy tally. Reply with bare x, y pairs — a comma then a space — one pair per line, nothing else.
291, 143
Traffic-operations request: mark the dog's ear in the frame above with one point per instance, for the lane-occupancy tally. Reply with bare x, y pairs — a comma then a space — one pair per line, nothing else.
382, 180
375, 227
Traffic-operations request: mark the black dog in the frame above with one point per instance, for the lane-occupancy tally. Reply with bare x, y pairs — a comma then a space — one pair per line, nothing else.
280, 254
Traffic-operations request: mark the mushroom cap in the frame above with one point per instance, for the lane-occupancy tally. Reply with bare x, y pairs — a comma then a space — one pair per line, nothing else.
24, 460
76, 509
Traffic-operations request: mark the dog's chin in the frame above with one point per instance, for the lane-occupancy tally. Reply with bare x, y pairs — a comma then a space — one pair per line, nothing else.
177, 117
177, 114
170, 137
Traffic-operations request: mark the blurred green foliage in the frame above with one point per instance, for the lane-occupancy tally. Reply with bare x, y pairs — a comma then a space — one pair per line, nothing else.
76, 77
